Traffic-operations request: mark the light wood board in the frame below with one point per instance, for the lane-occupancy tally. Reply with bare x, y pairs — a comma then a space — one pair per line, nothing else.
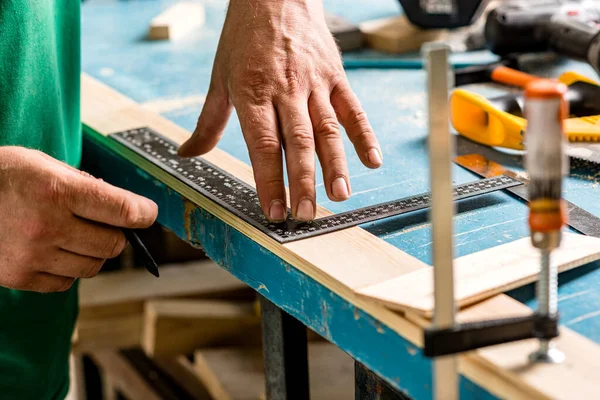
117, 332
398, 35
483, 274
177, 21
238, 373
344, 262
112, 303
123, 376
174, 327
134, 287
181, 370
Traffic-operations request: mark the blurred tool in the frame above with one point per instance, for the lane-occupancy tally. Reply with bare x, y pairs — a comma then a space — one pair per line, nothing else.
567, 28
546, 164
427, 14
470, 159
499, 121
505, 71
347, 35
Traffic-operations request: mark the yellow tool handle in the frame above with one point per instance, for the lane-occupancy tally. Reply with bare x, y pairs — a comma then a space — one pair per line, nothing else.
474, 117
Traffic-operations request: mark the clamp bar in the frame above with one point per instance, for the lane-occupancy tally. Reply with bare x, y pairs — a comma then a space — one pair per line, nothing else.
445, 370
475, 335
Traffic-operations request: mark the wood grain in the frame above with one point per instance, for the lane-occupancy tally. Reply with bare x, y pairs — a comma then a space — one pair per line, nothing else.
343, 262
181, 370
123, 376
134, 287
174, 327
112, 304
237, 373
398, 35
483, 274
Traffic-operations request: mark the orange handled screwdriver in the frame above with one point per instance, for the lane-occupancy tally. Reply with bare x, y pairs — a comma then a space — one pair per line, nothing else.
504, 71
546, 164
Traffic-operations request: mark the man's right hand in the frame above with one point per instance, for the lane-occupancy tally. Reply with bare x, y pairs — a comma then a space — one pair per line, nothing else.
57, 223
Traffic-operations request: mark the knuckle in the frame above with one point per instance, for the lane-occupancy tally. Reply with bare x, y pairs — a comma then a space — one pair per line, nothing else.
301, 137
338, 76
36, 229
257, 88
266, 142
306, 179
93, 268
128, 212
64, 285
272, 185
358, 117
337, 163
116, 245
363, 136
328, 128
292, 82
55, 191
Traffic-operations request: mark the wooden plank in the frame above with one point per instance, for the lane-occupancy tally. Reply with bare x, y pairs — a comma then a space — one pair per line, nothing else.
112, 304
398, 35
132, 288
343, 262
237, 373
483, 274
347, 35
76, 378
108, 333
181, 370
177, 21
123, 376
174, 327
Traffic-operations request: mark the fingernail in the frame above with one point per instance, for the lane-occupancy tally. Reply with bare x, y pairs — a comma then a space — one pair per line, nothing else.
276, 211
374, 157
306, 211
339, 188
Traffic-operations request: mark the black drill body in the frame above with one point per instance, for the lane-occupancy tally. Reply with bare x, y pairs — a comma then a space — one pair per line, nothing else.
538, 27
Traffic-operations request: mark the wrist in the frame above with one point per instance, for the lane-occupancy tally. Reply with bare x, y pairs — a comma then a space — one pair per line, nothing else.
267, 6
254, 3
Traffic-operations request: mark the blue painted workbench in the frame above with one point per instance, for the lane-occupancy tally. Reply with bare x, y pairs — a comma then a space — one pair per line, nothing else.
172, 79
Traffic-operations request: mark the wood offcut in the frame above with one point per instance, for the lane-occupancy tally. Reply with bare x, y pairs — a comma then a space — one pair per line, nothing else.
177, 21
397, 35
483, 274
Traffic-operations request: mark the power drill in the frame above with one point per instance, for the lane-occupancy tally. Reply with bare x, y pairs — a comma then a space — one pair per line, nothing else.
570, 29
434, 14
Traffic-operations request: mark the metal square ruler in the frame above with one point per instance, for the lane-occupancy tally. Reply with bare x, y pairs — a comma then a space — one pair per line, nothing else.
241, 199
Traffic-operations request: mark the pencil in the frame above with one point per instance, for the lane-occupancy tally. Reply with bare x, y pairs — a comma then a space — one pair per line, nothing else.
141, 249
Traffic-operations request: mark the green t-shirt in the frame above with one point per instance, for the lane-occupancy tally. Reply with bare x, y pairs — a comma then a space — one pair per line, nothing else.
39, 108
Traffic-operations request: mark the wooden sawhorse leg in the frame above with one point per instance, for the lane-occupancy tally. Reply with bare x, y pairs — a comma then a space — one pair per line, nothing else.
285, 353
368, 386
